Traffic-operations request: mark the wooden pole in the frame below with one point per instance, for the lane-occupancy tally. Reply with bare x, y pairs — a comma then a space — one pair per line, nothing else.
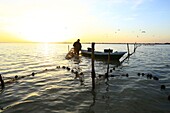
2, 82
68, 48
135, 47
108, 65
93, 71
128, 49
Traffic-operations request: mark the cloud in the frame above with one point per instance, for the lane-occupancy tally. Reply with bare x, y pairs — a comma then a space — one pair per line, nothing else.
133, 3
137, 3
130, 18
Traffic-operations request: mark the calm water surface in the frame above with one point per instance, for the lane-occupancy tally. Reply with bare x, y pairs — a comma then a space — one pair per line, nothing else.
56, 90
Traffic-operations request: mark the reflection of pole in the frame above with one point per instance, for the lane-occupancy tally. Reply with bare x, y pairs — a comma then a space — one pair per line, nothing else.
91, 110
93, 71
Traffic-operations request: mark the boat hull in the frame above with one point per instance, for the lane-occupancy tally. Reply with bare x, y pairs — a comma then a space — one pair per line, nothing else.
102, 55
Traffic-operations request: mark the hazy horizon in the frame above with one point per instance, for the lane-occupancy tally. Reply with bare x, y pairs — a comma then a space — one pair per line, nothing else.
93, 42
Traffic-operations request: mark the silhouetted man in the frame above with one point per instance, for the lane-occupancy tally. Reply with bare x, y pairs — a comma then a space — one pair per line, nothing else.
77, 47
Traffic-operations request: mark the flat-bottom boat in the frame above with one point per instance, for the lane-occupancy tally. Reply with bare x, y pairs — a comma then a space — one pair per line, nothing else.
114, 56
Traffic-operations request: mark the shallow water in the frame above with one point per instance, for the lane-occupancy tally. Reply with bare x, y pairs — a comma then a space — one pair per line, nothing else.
56, 90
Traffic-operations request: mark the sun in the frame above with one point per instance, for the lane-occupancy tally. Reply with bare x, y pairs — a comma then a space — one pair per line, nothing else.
45, 27
52, 23
45, 33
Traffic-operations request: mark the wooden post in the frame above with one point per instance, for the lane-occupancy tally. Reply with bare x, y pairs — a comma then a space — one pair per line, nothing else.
108, 65
68, 48
93, 71
135, 47
2, 82
128, 49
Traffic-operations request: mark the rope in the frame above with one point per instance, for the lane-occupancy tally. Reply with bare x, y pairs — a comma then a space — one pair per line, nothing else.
78, 75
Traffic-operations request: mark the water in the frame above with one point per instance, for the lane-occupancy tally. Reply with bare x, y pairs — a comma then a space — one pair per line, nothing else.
56, 90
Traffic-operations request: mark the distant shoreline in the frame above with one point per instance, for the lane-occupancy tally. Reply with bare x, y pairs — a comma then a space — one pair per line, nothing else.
91, 42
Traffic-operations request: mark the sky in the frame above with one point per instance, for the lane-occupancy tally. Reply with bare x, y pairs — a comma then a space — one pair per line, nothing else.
110, 21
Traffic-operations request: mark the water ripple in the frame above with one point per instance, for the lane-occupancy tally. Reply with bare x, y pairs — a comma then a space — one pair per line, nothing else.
57, 90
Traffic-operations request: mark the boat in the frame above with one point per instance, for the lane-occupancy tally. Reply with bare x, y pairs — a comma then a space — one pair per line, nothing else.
114, 56
71, 54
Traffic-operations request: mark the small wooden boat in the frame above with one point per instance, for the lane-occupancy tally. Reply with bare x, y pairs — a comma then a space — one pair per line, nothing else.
71, 54
114, 56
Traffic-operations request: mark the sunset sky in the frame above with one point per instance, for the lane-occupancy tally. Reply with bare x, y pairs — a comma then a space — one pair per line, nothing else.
116, 21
